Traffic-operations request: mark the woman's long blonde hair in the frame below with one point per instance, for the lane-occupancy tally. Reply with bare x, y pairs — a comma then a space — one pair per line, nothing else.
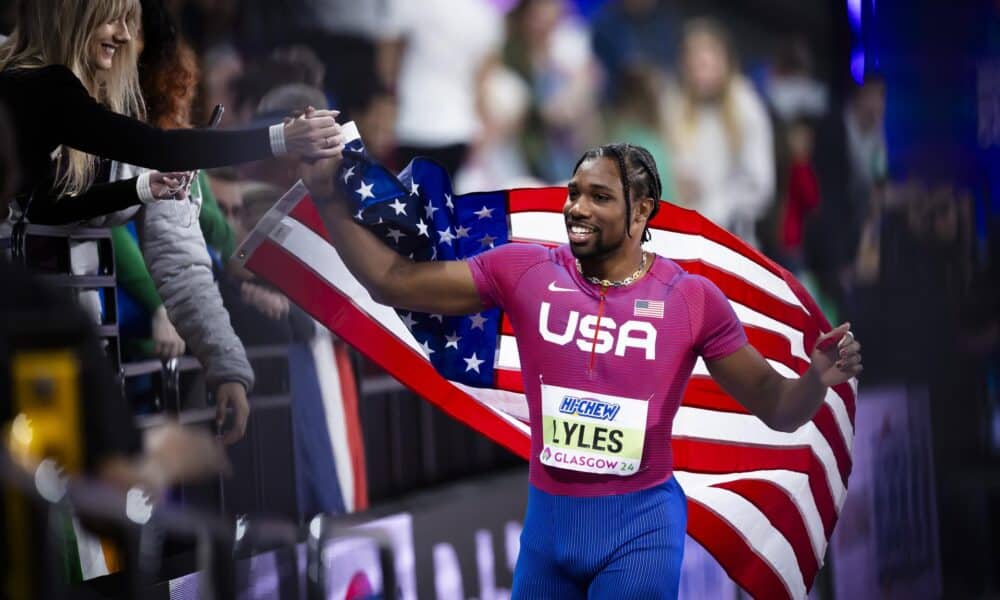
727, 98
59, 32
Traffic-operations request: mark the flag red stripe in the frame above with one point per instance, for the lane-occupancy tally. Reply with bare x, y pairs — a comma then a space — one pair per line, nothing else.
744, 292
506, 327
703, 456
826, 423
509, 381
744, 566
704, 392
670, 218
681, 220
779, 508
550, 199
305, 212
775, 347
349, 397
354, 326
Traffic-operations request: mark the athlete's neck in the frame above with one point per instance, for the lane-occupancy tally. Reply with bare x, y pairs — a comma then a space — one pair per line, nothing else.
614, 266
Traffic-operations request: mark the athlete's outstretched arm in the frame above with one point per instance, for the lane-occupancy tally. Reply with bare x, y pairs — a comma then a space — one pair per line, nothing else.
444, 287
787, 404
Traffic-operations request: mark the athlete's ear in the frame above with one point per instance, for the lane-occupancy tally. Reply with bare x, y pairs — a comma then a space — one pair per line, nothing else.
642, 208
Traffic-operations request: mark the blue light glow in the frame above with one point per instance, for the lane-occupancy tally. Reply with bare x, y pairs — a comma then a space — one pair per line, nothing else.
858, 65
854, 14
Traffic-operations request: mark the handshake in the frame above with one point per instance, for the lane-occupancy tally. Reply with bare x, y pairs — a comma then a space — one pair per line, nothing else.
311, 135
314, 134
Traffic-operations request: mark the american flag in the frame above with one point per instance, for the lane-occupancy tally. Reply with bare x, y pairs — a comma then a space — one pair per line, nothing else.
764, 503
648, 308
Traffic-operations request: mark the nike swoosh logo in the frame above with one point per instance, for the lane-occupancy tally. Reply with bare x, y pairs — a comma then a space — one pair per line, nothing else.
554, 288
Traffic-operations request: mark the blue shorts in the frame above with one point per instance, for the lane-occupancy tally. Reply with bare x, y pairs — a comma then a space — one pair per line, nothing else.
622, 546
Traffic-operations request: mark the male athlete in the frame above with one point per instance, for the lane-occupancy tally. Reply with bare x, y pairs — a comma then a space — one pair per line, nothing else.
605, 517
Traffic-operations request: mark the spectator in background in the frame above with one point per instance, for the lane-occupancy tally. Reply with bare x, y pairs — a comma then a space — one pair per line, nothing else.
227, 188
636, 117
178, 290
447, 50
550, 49
633, 34
373, 107
851, 159
221, 68
791, 87
723, 146
57, 89
496, 161
801, 195
283, 66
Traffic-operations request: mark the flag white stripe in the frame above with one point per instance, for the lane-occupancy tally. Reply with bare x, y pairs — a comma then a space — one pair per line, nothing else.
795, 484
753, 526
507, 356
328, 375
717, 426
550, 227
314, 252
832, 398
511, 406
758, 319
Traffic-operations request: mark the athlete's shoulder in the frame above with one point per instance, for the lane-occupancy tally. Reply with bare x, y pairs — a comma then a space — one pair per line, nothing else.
666, 271
519, 252
693, 285
510, 261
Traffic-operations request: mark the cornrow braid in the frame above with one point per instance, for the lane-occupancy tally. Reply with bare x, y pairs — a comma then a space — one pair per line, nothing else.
637, 170
655, 188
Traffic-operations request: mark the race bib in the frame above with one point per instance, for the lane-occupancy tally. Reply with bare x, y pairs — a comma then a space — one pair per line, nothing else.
592, 433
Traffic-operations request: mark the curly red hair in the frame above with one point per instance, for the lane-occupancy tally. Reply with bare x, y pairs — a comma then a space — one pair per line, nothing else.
169, 85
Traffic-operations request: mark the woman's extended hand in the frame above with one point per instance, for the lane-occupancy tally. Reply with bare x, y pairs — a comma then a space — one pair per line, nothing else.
314, 135
170, 186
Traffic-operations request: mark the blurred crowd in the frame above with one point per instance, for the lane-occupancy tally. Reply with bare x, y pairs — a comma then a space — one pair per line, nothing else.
509, 93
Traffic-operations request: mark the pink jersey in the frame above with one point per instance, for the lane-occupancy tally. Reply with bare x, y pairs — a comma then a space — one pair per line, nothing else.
597, 393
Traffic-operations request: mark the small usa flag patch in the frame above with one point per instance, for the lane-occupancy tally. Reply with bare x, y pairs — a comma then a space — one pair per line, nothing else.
648, 308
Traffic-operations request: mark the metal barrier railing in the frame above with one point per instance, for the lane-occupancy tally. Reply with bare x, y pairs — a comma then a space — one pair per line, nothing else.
323, 532
222, 552
47, 251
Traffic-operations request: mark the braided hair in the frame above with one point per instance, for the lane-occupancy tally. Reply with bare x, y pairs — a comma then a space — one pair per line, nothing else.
639, 177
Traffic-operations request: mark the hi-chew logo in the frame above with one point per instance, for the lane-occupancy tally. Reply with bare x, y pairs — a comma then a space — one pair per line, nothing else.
589, 407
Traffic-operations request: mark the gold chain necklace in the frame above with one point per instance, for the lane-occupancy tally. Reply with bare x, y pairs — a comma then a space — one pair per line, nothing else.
608, 283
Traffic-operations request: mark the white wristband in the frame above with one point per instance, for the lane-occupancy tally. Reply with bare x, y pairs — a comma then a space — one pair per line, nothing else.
143, 189
349, 132
277, 134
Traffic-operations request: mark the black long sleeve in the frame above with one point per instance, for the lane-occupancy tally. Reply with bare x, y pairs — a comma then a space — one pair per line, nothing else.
50, 108
99, 199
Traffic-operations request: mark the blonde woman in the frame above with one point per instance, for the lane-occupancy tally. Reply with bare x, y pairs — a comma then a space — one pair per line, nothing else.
723, 147
68, 77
